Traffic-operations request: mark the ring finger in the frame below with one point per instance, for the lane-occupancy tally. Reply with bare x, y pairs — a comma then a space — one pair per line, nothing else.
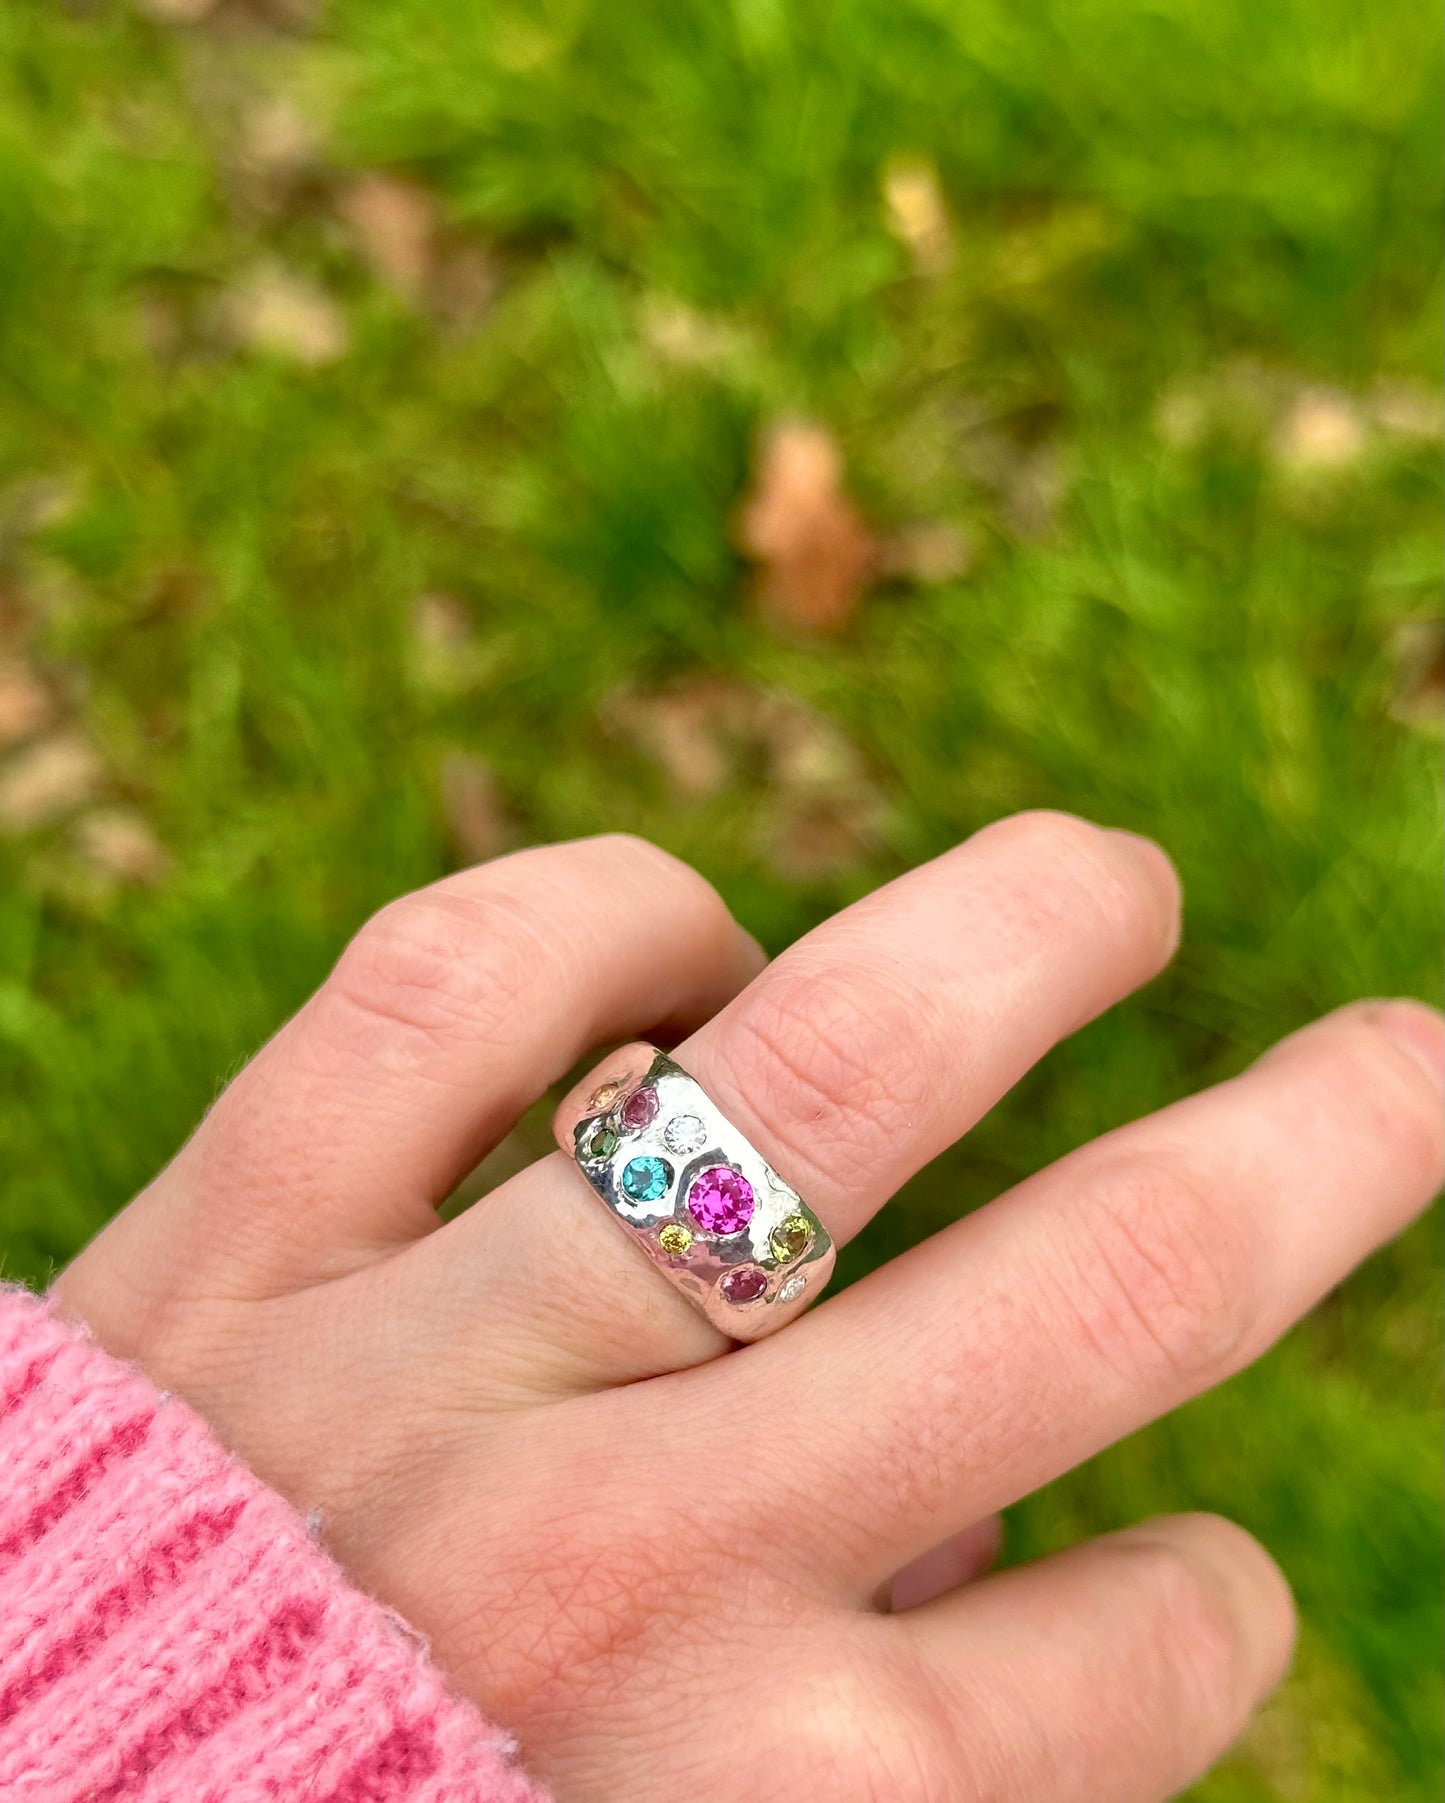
854, 1059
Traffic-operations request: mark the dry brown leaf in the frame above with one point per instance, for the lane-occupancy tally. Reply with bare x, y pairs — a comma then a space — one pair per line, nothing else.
447, 656
1321, 430
47, 780
394, 223
33, 504
1420, 660
463, 284
814, 551
475, 809
1408, 410
24, 702
274, 309
932, 551
809, 839
819, 809
917, 213
440, 625
823, 810
119, 843
284, 15
277, 138
690, 732
1034, 491
178, 12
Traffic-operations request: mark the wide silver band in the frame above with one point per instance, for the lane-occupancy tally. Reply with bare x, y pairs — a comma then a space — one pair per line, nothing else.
704, 1205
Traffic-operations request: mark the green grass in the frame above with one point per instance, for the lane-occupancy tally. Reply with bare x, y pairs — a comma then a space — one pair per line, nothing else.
1168, 223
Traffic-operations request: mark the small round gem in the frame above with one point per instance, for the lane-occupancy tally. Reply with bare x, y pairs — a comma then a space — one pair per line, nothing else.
792, 1289
603, 1143
720, 1200
640, 1109
685, 1133
604, 1096
745, 1284
645, 1179
675, 1239
791, 1237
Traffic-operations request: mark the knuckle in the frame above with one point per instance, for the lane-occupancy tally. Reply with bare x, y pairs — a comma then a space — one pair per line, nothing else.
1162, 1272
634, 872
437, 967
875, 1727
691, 892
837, 1053
1194, 1639
649, 865
1050, 830
1088, 873
644, 853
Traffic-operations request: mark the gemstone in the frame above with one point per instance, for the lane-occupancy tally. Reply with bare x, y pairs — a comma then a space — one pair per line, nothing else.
744, 1285
792, 1289
675, 1239
720, 1200
645, 1179
603, 1143
604, 1096
640, 1109
684, 1133
790, 1237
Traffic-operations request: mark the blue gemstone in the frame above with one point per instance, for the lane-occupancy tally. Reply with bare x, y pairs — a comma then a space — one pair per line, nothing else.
645, 1179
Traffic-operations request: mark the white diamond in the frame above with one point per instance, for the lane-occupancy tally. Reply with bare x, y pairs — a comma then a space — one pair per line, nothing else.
792, 1289
684, 1133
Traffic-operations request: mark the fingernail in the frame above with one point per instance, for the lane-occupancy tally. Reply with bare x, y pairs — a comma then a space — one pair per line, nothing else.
1416, 1029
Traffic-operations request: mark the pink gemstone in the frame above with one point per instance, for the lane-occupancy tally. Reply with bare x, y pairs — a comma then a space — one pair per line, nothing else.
640, 1109
744, 1285
720, 1200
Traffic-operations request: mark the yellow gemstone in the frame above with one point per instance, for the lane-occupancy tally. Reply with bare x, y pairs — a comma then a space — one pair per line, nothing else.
791, 1237
674, 1239
605, 1096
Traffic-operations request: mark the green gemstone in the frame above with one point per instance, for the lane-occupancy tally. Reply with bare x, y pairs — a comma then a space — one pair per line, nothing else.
603, 1143
791, 1237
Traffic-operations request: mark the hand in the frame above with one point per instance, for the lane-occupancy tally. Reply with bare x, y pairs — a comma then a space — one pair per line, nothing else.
669, 1571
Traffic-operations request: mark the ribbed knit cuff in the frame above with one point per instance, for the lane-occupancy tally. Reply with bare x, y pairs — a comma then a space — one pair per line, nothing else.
168, 1631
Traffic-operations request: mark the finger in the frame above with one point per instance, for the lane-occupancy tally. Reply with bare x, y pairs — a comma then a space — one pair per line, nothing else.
1099, 1294
873, 1044
855, 1058
1121, 1669
446, 1017
949, 1565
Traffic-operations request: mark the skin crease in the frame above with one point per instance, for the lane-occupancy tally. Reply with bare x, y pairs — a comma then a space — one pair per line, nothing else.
668, 1567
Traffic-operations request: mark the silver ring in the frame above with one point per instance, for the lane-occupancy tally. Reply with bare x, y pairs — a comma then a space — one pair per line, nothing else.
702, 1202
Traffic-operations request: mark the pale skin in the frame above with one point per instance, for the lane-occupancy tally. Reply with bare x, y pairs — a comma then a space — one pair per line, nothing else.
676, 1574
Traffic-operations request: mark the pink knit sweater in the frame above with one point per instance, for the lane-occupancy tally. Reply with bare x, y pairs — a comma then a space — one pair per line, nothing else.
168, 1631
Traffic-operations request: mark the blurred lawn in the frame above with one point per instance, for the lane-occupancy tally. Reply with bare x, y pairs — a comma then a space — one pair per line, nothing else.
319, 570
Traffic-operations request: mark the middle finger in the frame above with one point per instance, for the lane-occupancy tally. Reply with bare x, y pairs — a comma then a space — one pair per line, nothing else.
858, 1056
